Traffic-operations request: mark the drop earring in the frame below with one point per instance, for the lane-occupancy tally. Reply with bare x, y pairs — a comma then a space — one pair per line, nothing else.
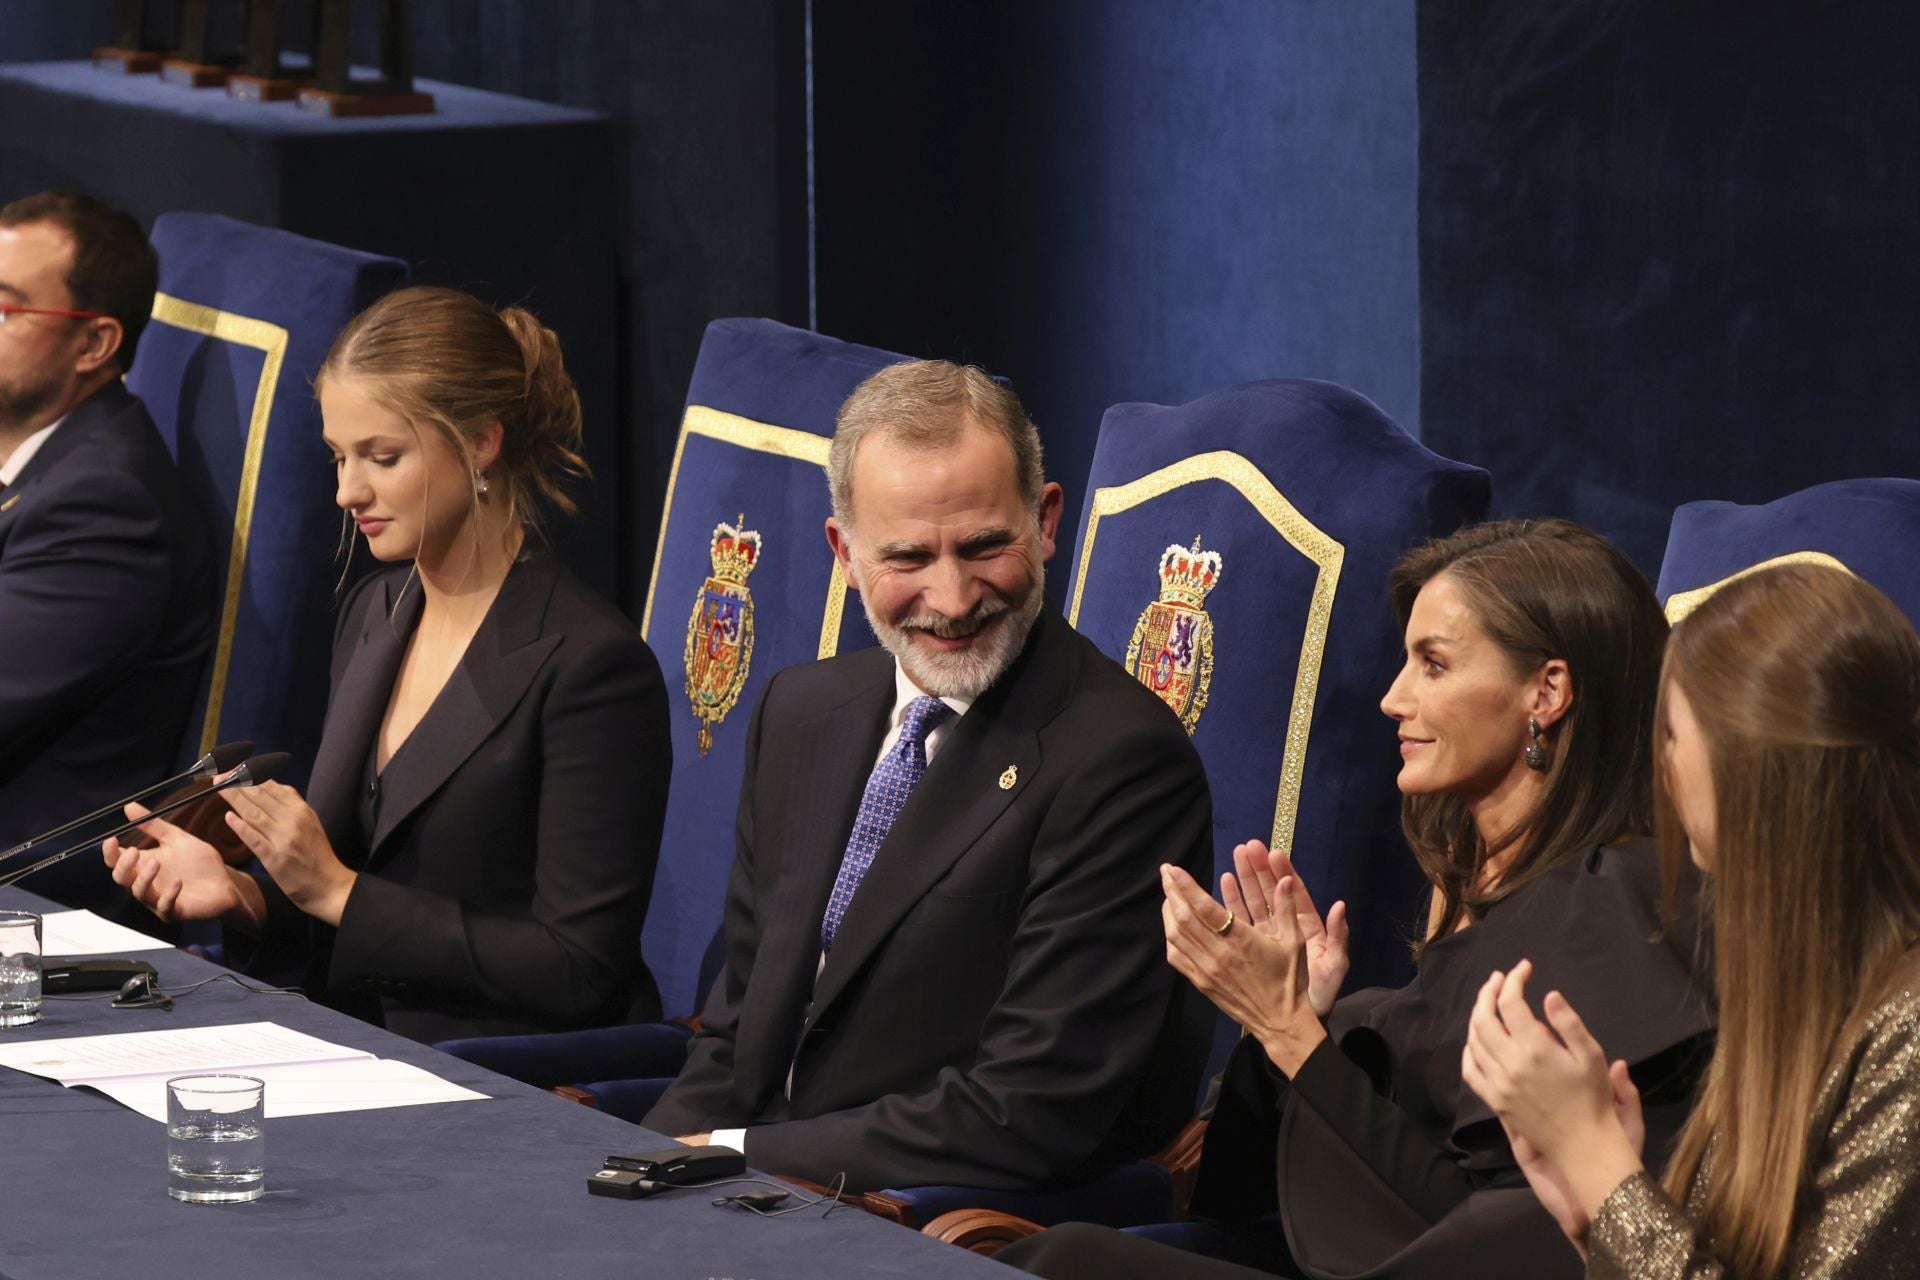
480, 482
1536, 752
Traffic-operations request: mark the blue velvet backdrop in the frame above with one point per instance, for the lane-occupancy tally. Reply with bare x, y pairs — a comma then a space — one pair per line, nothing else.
1669, 251
1115, 200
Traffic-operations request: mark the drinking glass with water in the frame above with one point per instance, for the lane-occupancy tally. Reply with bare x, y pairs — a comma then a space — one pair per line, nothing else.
216, 1139
19, 968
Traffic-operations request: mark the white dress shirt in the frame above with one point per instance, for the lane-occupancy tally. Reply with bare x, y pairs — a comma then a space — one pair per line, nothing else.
904, 692
17, 461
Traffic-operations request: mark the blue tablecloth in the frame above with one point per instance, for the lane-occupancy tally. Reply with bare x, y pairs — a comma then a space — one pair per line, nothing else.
509, 198
468, 1189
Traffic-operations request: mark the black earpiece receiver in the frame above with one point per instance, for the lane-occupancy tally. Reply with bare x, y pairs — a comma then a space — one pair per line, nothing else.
142, 991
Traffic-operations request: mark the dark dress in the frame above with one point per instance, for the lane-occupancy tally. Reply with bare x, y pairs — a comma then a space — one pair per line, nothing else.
1376, 1159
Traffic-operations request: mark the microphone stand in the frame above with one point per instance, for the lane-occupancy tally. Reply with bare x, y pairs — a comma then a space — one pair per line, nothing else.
207, 766
258, 769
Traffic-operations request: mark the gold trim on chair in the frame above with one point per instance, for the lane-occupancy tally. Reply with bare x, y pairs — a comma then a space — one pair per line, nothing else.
1301, 534
1682, 603
745, 433
271, 341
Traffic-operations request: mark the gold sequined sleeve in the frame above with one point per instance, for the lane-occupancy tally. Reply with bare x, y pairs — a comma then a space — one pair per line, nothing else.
1860, 1219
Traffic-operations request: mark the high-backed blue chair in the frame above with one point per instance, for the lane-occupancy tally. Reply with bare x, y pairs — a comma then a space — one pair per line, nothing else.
1233, 553
1869, 527
743, 584
243, 319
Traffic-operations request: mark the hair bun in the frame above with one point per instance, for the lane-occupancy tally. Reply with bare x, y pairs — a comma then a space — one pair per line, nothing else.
551, 422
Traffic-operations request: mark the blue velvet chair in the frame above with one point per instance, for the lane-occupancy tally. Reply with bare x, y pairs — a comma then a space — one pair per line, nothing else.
243, 319
743, 584
1233, 553
1870, 527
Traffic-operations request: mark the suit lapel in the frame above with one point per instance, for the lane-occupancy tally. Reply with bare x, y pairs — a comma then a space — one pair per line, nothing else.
359, 703
955, 803
500, 662
839, 742
80, 422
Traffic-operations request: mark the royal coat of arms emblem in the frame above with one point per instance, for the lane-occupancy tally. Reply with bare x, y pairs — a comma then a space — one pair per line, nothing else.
720, 632
1172, 647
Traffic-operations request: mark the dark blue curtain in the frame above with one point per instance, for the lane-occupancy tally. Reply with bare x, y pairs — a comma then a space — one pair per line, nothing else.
1669, 251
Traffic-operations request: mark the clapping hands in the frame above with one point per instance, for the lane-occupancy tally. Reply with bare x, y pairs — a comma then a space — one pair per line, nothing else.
1278, 974
1574, 1120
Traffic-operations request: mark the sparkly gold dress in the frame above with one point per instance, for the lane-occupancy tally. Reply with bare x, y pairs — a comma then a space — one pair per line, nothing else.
1859, 1216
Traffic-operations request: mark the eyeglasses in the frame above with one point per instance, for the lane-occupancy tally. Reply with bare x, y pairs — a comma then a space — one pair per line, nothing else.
8, 310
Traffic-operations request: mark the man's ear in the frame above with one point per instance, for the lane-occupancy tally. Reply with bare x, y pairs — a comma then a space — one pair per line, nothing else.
1053, 500
1552, 693
842, 544
104, 337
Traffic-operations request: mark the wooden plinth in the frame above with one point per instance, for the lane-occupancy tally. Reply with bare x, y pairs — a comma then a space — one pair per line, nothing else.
263, 89
132, 62
323, 103
194, 75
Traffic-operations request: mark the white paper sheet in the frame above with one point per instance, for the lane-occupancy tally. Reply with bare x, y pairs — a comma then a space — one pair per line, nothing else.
82, 933
90, 1059
310, 1089
305, 1075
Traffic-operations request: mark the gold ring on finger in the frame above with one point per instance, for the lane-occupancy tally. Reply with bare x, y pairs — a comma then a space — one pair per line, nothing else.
1225, 924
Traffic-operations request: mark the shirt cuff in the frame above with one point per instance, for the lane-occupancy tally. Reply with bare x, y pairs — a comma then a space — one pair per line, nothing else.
735, 1138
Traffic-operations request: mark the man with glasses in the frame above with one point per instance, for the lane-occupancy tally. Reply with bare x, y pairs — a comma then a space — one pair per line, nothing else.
106, 568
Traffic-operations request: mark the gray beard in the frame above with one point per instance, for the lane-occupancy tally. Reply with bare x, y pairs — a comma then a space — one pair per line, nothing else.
967, 674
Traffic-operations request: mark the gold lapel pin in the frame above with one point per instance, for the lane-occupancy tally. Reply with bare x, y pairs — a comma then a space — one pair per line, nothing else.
1011, 776
9, 502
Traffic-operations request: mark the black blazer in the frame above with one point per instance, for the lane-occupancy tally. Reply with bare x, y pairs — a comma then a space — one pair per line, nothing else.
1380, 1159
107, 611
517, 827
996, 1010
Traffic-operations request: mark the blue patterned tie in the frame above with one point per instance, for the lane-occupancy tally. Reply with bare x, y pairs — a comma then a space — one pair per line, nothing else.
888, 787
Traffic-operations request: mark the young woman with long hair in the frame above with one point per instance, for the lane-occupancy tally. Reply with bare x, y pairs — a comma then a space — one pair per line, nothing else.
1790, 773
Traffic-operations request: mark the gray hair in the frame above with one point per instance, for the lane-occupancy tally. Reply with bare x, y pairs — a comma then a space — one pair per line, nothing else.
924, 404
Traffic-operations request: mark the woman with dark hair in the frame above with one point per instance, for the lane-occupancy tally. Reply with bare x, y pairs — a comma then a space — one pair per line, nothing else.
1790, 773
1343, 1142
476, 849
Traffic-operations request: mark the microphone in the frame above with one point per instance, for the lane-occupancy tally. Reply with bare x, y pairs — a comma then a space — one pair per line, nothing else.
217, 761
255, 769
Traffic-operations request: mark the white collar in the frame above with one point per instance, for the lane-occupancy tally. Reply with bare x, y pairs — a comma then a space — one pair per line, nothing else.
905, 691
16, 463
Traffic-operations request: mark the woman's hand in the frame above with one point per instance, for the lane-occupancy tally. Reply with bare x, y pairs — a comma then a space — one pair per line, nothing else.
1261, 872
1574, 1120
286, 835
1257, 978
182, 877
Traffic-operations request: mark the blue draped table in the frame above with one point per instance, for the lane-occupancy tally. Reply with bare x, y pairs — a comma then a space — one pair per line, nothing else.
489, 1188
512, 199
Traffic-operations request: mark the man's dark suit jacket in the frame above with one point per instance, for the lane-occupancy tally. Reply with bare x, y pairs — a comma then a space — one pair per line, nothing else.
997, 1009
514, 832
107, 610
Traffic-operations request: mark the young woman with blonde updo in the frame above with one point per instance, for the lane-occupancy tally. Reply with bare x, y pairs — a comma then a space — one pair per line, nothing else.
476, 848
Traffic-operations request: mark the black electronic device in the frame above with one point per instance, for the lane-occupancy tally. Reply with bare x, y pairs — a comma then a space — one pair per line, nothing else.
622, 1184
680, 1166
63, 975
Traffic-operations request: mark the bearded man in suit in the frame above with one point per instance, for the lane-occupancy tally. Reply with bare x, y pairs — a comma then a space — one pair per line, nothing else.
944, 956
106, 569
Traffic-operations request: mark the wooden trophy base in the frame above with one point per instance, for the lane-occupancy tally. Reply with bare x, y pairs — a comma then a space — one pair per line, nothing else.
264, 89
194, 75
132, 62
323, 103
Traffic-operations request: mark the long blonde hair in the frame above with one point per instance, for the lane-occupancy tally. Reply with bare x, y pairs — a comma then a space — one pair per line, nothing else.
1805, 682
445, 360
